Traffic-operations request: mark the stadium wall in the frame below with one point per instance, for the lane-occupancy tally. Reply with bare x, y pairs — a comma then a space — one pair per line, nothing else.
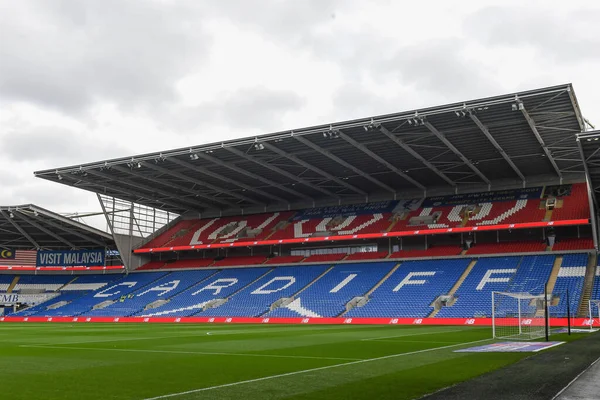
554, 322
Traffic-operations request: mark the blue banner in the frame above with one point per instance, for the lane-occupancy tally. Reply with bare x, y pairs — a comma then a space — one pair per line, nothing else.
70, 258
486, 197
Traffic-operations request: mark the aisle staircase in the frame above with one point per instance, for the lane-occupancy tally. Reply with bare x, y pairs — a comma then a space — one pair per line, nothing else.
588, 285
457, 285
13, 284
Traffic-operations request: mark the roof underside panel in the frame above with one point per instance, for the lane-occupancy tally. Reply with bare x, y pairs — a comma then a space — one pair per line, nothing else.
28, 227
516, 139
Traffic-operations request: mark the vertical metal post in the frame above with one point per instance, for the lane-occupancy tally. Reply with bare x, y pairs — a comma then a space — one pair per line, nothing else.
568, 313
546, 320
520, 327
493, 316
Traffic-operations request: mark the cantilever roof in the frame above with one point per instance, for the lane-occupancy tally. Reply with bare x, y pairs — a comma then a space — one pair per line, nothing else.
590, 150
524, 138
32, 227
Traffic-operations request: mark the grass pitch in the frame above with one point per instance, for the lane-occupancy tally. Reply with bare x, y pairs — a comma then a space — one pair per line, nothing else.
184, 362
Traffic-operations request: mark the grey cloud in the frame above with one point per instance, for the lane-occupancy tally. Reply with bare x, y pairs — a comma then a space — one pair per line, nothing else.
68, 54
255, 109
55, 145
559, 36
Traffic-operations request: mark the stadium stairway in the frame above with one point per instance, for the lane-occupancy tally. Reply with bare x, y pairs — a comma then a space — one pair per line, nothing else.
554, 274
13, 284
457, 285
588, 285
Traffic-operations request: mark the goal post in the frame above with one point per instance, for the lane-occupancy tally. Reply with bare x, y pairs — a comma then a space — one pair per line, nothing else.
518, 316
594, 310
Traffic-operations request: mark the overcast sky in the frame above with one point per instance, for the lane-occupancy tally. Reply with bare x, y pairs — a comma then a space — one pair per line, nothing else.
85, 80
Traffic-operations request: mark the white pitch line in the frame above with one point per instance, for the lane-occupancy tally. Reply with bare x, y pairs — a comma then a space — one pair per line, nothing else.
201, 353
412, 334
167, 396
212, 332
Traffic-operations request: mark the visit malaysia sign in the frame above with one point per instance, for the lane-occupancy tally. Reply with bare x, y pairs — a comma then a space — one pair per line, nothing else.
70, 258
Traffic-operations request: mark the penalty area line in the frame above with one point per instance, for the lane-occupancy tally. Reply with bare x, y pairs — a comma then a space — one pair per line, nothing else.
412, 334
305, 371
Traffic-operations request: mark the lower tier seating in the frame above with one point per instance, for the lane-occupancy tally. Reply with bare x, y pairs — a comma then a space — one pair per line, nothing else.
388, 289
330, 294
412, 288
570, 278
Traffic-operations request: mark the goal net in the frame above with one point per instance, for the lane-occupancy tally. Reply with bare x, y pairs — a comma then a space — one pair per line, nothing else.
518, 316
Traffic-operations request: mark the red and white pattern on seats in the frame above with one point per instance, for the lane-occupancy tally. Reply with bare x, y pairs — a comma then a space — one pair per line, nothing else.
211, 230
488, 214
351, 225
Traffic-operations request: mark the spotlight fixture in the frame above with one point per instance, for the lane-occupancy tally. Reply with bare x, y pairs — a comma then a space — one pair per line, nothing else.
60, 178
259, 146
194, 156
11, 215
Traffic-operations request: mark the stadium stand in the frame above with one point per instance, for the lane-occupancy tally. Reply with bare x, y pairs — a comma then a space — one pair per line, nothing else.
573, 244
329, 296
474, 297
160, 289
411, 289
436, 251
285, 260
257, 298
596, 291
240, 261
317, 258
367, 255
219, 286
507, 247
42, 283
570, 278
280, 226
5, 281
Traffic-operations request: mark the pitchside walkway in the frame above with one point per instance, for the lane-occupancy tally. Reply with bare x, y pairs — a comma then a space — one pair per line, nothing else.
542, 376
587, 386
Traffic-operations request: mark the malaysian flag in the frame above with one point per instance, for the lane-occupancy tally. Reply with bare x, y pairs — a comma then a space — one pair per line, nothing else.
22, 258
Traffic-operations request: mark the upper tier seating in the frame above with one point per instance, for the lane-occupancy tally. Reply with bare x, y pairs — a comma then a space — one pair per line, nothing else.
507, 247
574, 206
325, 257
235, 261
474, 297
280, 226
256, 299
285, 260
411, 289
434, 251
573, 244
329, 295
571, 278
367, 255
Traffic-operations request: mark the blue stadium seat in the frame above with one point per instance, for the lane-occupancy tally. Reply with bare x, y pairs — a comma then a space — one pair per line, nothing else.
219, 286
329, 295
257, 298
411, 289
